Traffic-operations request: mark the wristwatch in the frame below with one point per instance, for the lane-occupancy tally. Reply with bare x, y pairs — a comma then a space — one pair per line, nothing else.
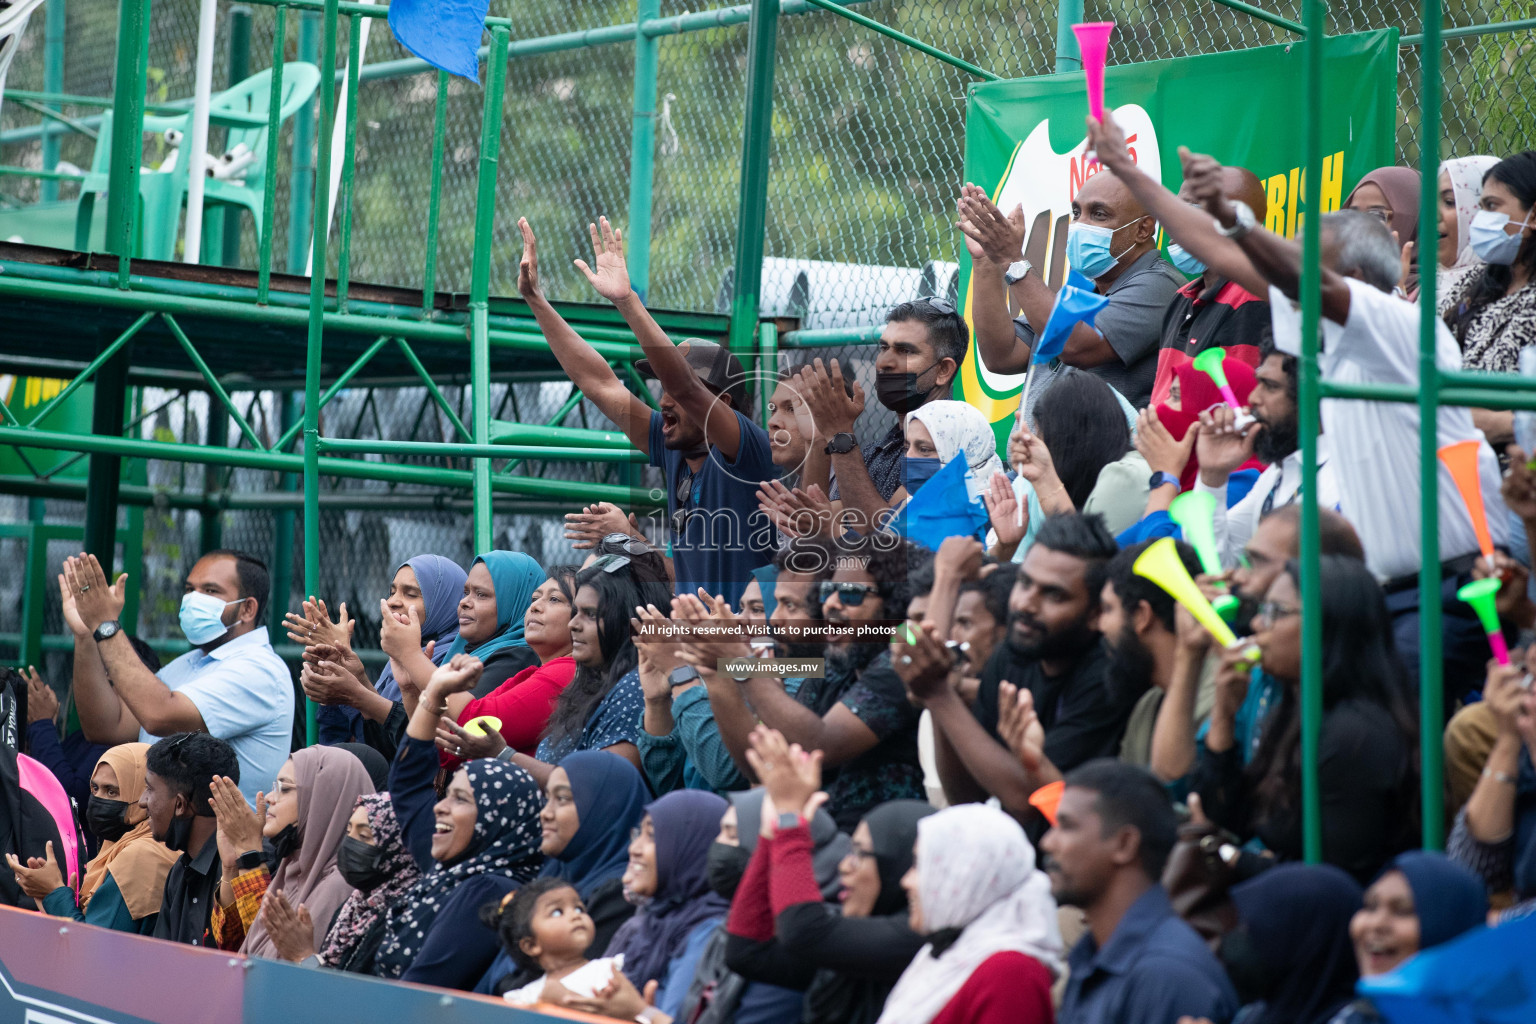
1161, 479
1245, 221
1016, 271
841, 444
682, 675
107, 630
250, 861
789, 820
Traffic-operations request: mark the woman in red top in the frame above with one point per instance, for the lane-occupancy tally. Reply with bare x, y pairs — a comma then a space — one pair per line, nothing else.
524, 702
993, 944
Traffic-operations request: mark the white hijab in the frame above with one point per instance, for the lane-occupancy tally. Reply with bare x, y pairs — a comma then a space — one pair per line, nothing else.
976, 872
961, 427
1466, 174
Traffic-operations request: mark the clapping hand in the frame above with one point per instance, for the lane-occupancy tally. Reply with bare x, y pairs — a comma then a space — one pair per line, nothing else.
587, 528
313, 627
528, 267
1009, 521
1019, 725
292, 929
832, 408
716, 631
238, 827
611, 276
326, 682
791, 776
987, 232
96, 601
459, 674
1202, 177
42, 702
800, 512
40, 875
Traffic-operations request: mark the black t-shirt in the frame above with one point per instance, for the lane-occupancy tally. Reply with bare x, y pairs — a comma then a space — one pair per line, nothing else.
890, 770
190, 891
1082, 717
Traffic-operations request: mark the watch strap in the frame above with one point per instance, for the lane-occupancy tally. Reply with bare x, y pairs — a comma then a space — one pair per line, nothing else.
790, 820
841, 444
107, 630
1016, 271
250, 860
1162, 479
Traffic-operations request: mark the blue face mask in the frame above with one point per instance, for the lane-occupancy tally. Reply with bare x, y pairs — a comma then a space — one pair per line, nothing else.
1181, 259
1088, 249
202, 617
916, 472
1491, 242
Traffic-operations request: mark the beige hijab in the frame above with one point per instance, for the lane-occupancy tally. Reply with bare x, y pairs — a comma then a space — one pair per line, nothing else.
135, 861
329, 781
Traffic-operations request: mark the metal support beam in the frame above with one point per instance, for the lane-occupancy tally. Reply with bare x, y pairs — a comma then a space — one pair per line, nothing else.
1068, 57
127, 132
211, 521
53, 81
281, 569
904, 39
237, 70
756, 143
301, 180
642, 152
104, 476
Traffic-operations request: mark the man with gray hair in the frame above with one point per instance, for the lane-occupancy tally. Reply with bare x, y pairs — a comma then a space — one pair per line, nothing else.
1369, 336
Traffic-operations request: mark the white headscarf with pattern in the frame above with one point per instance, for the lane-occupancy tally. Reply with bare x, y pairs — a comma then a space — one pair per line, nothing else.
976, 873
961, 427
1466, 174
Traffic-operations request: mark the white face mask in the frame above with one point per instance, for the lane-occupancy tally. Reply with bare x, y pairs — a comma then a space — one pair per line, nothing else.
1491, 242
202, 617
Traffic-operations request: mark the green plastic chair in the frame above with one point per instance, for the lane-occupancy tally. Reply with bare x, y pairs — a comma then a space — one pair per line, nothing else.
243, 110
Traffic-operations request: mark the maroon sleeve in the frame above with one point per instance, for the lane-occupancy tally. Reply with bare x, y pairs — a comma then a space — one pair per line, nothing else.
750, 916
794, 875
524, 702
1008, 988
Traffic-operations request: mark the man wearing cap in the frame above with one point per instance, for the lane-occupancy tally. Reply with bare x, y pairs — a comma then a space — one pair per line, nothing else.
713, 455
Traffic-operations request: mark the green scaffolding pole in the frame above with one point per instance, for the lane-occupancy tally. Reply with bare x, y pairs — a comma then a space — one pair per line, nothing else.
642, 152
1431, 683
53, 81
1314, 14
317, 329
756, 142
1068, 57
480, 282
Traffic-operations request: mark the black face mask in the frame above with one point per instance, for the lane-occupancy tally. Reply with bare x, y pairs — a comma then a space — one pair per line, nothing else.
724, 867
179, 834
359, 864
286, 841
902, 392
107, 819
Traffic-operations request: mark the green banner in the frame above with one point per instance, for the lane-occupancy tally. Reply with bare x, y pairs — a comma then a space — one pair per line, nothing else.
1024, 143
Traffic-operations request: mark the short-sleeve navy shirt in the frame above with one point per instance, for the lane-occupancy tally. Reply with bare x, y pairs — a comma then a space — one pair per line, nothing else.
727, 535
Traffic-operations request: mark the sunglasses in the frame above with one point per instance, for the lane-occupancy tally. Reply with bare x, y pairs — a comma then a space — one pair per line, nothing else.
623, 543
850, 594
941, 306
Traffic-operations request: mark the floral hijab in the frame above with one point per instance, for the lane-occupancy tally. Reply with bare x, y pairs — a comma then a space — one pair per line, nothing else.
364, 909
961, 427
506, 842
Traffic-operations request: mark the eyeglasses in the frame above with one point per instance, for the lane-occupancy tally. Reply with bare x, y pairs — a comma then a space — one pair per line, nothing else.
1274, 611
941, 306
850, 594
281, 789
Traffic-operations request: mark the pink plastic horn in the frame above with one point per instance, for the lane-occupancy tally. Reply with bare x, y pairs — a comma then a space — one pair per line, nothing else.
1093, 44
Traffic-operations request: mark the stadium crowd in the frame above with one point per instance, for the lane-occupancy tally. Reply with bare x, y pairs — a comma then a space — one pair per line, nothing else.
888, 729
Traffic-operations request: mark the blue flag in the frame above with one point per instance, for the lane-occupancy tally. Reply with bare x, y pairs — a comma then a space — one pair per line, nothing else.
1073, 306
1482, 977
444, 33
942, 507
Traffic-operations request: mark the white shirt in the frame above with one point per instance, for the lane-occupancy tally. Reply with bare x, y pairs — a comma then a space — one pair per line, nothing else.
584, 981
244, 693
1375, 445
1275, 488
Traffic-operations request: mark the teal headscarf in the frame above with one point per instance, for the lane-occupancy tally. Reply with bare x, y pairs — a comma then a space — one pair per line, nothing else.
515, 576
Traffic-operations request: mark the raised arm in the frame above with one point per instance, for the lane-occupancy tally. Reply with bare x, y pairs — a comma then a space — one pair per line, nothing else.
104, 718
1187, 224
610, 277
589, 371
148, 701
1277, 260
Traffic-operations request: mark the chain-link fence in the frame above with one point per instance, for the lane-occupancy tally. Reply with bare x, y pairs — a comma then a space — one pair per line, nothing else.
866, 159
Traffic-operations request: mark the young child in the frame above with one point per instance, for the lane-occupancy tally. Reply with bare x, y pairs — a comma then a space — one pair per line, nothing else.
546, 928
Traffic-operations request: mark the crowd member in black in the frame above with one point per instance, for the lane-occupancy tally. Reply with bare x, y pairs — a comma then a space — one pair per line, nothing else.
1366, 745
857, 713
1053, 650
921, 349
781, 928
177, 794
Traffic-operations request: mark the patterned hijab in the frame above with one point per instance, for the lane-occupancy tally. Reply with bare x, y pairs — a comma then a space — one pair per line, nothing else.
363, 909
441, 581
506, 842
515, 576
329, 784
1466, 174
981, 895
135, 861
961, 427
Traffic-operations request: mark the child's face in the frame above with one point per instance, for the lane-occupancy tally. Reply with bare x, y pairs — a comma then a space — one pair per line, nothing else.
561, 927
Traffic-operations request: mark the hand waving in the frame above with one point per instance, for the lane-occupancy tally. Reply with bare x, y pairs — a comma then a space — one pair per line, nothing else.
611, 278
528, 267
1009, 521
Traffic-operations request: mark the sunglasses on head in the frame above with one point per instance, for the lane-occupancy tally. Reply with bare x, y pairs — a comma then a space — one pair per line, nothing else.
941, 306
850, 594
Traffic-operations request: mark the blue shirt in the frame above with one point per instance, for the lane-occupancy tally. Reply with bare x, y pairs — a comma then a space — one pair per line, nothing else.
727, 535
1153, 970
1248, 725
692, 755
244, 693
616, 719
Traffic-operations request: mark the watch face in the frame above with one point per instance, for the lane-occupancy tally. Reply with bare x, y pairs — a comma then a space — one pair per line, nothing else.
789, 821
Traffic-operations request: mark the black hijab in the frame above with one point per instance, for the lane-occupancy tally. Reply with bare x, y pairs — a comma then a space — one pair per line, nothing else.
1293, 949
892, 834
